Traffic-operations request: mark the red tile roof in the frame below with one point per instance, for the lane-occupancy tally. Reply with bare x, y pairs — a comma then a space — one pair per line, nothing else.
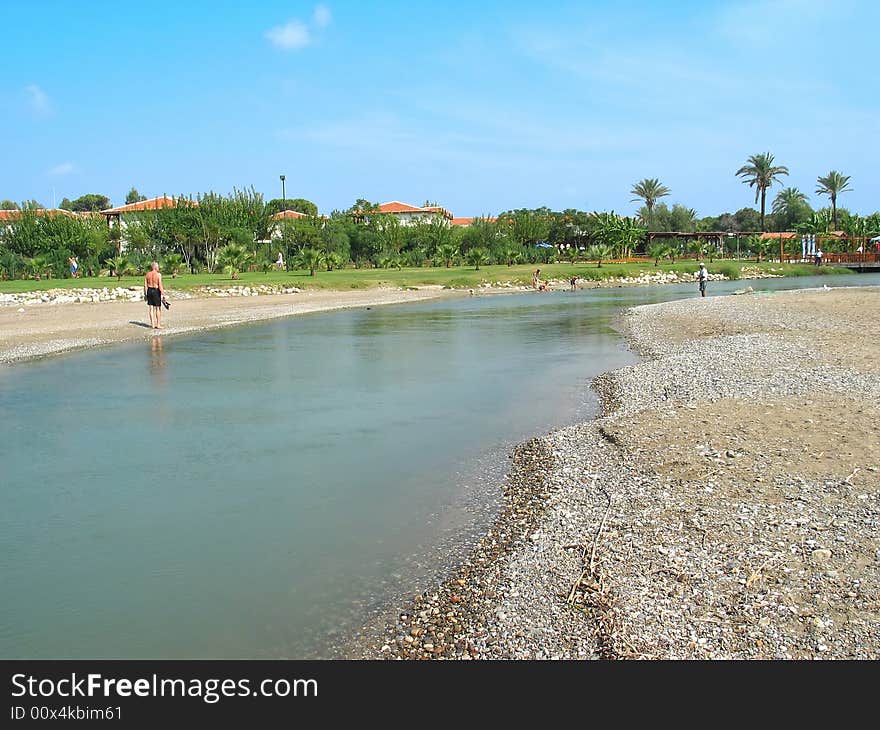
287, 214
469, 221
395, 206
784, 234
163, 201
14, 214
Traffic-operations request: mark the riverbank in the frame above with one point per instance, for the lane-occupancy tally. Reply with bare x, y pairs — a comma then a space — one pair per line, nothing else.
37, 331
725, 505
29, 291
45, 321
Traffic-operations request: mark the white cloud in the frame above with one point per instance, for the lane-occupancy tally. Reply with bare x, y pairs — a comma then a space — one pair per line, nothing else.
289, 37
38, 100
65, 168
322, 16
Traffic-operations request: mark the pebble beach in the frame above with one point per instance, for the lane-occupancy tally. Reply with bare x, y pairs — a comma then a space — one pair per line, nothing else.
724, 505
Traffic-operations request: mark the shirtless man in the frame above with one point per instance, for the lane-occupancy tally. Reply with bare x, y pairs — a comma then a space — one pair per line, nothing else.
154, 292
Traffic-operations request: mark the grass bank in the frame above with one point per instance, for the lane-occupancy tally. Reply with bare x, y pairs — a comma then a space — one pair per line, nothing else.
456, 277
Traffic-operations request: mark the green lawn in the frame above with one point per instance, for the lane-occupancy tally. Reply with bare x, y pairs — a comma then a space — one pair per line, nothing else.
454, 277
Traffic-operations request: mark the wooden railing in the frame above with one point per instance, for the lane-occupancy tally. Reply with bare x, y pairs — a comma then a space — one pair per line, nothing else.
866, 257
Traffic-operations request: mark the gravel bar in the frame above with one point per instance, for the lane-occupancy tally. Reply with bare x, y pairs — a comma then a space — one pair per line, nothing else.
724, 505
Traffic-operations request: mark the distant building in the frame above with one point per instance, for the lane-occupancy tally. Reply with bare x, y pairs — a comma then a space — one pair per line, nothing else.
286, 215
9, 216
409, 215
141, 206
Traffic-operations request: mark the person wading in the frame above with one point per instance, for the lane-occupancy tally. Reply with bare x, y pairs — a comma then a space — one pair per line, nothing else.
154, 292
703, 276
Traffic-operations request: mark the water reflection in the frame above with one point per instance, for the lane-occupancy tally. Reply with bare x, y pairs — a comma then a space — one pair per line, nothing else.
157, 361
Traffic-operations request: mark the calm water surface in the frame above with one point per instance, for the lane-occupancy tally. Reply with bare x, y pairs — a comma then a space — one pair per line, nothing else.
259, 491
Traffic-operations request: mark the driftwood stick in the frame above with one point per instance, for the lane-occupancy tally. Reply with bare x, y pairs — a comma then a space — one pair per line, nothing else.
591, 567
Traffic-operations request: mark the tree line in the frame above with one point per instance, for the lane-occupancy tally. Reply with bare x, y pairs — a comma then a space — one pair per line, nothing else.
232, 233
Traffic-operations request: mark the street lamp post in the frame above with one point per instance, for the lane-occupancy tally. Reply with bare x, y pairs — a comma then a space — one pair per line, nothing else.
283, 195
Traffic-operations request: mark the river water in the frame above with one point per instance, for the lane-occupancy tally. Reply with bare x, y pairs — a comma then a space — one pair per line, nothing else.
258, 492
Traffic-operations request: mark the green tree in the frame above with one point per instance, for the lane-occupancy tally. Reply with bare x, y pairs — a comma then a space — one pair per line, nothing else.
300, 205
133, 196
65, 204
512, 254
12, 205
619, 233
39, 266
477, 257
447, 253
649, 190
119, 266
658, 250
389, 231
527, 227
790, 207
758, 245
599, 252
663, 218
832, 185
760, 173
309, 258
91, 202
234, 257
334, 260
172, 263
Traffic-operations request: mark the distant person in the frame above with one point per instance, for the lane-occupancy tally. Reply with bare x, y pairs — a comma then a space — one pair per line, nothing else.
280, 262
74, 267
154, 293
818, 257
573, 281
536, 279
703, 277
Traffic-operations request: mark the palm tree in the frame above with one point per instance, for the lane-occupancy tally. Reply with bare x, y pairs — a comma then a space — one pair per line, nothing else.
390, 262
334, 260
477, 256
310, 258
173, 262
649, 190
599, 252
447, 253
234, 257
512, 254
760, 173
788, 199
657, 251
119, 266
832, 185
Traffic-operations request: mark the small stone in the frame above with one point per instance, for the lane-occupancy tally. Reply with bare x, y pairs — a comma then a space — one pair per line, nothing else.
821, 555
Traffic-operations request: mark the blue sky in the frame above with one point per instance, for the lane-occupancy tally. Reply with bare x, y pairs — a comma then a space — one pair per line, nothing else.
480, 106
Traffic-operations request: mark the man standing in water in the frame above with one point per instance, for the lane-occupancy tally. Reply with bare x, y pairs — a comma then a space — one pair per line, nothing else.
703, 275
154, 292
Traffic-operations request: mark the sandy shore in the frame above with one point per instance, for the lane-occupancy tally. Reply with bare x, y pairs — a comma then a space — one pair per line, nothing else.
725, 505
45, 330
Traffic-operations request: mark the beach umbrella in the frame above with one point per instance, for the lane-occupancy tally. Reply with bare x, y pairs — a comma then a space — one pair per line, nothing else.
543, 245
875, 239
